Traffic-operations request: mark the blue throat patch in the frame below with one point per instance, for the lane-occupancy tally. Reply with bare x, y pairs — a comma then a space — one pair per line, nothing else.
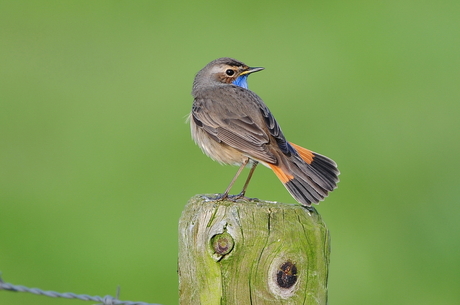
242, 81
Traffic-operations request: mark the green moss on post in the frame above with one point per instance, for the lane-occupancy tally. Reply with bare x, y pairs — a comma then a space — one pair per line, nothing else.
252, 252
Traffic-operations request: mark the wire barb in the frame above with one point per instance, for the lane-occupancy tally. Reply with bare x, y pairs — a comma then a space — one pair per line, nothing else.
106, 300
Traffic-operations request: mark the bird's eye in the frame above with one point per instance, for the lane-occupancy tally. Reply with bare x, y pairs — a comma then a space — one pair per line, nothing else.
230, 72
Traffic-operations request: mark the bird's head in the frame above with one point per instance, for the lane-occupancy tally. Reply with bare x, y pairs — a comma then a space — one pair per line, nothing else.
225, 71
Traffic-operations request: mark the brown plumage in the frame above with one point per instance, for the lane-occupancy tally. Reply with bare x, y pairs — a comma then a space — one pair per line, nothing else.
232, 125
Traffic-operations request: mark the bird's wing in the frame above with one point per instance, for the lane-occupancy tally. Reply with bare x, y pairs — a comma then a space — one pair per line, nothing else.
240, 119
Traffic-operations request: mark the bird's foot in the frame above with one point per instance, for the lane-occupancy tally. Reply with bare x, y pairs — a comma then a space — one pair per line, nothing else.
242, 197
218, 197
233, 198
236, 197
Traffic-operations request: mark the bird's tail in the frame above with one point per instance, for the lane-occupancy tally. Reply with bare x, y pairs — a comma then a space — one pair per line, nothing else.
308, 176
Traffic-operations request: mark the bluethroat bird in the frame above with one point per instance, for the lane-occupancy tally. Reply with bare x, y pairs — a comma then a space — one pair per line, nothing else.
232, 125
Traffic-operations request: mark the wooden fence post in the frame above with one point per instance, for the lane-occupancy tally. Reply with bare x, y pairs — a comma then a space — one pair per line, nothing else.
252, 252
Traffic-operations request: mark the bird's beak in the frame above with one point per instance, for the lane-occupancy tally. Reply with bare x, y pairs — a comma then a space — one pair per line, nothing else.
252, 70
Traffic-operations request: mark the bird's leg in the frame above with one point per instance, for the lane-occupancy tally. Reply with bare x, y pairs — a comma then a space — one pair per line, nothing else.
225, 194
253, 168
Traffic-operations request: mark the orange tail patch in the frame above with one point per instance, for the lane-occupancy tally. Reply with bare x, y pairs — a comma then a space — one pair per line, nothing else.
280, 174
304, 153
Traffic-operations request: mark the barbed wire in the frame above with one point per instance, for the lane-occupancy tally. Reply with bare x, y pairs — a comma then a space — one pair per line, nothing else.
106, 300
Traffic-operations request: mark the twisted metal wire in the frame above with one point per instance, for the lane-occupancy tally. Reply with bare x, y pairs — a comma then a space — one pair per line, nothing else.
106, 300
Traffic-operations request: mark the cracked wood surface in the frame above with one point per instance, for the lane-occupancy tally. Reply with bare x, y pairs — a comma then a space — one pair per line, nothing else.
252, 252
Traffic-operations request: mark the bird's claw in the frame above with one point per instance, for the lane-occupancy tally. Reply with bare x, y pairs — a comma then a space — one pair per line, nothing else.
233, 198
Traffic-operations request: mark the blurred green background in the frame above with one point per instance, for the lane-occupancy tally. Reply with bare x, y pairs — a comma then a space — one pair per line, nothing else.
97, 163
